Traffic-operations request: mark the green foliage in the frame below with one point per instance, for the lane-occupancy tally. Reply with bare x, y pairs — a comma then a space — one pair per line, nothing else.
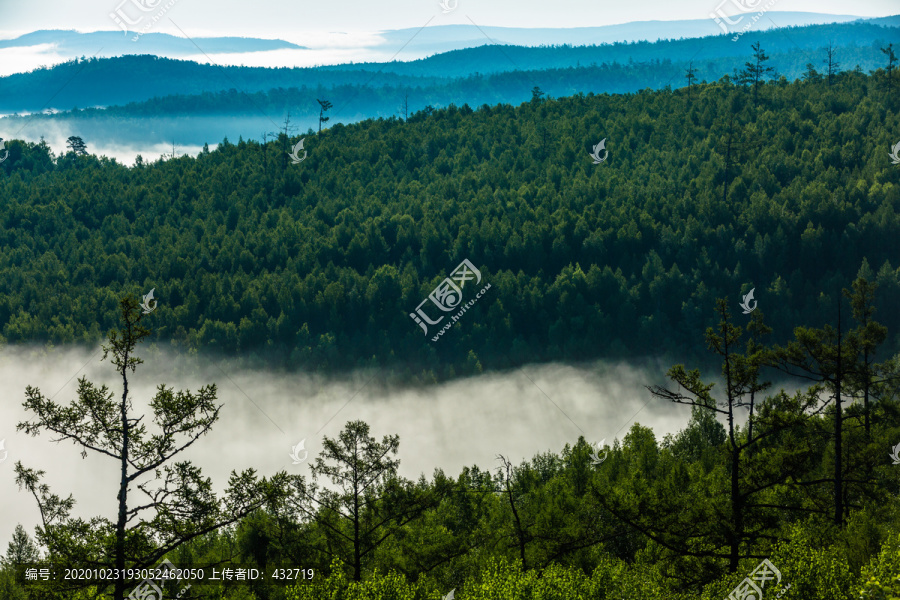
318, 265
338, 587
815, 571
21, 549
882, 575
323, 263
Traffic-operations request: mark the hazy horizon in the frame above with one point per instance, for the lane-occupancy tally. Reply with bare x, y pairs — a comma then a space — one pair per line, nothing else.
329, 43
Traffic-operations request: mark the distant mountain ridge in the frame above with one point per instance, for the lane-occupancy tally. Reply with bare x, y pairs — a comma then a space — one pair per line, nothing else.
150, 99
413, 43
119, 81
116, 43
441, 37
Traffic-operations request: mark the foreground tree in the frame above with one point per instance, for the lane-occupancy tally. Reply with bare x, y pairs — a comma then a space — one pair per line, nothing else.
843, 362
741, 375
728, 509
866, 338
176, 503
371, 503
825, 356
21, 549
521, 533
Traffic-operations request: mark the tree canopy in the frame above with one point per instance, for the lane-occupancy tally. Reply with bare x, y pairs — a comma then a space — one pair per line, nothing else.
318, 265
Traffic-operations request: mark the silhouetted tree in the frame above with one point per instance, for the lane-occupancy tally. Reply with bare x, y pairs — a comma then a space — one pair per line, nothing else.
324, 105
892, 58
691, 76
404, 108
77, 145
831, 64
811, 74
865, 338
824, 356
177, 509
755, 70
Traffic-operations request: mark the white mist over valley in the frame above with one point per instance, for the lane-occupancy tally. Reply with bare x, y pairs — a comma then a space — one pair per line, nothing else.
446, 426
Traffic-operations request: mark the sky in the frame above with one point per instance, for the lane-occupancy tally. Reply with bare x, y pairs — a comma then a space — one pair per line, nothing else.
343, 31
294, 19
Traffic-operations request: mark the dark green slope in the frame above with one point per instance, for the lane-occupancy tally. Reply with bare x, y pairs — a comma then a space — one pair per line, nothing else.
319, 264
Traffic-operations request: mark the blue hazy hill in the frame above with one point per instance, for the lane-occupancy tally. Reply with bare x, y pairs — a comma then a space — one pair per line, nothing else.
117, 43
121, 80
452, 37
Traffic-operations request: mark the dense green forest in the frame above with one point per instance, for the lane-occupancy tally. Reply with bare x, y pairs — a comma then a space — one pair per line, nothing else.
709, 191
804, 481
752, 182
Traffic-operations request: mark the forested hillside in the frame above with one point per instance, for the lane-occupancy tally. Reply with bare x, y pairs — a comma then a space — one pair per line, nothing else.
708, 191
806, 481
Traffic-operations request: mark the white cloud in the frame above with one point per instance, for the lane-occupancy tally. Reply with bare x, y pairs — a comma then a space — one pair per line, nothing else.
27, 58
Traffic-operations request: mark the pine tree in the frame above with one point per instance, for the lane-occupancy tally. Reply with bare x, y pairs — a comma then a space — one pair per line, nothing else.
174, 508
368, 504
831, 65
21, 550
755, 70
77, 145
892, 58
324, 105
691, 76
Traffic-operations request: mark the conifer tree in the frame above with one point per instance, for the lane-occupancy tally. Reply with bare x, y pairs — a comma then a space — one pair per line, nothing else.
162, 503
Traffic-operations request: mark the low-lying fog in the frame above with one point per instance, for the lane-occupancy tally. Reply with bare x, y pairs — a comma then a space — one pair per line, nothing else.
465, 422
152, 137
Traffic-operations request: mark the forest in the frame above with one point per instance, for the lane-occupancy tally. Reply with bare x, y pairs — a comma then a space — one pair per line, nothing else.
786, 188
606, 225
806, 482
